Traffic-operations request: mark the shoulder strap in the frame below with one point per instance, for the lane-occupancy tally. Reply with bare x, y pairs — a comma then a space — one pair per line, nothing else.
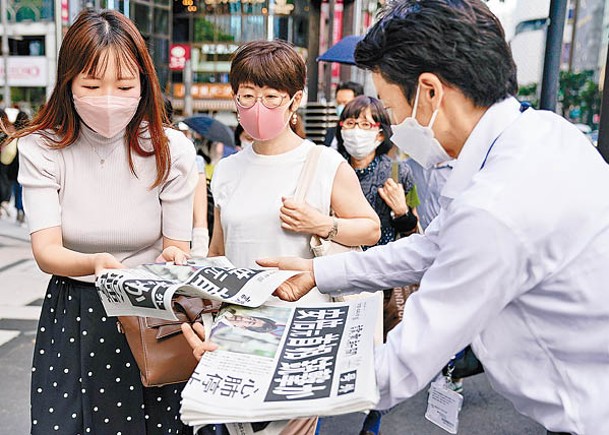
306, 175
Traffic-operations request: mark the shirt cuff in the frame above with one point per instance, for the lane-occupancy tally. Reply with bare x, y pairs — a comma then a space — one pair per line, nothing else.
330, 274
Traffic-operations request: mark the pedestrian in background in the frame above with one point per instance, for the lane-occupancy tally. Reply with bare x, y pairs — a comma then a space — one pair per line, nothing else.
345, 92
5, 182
508, 265
363, 135
253, 190
107, 184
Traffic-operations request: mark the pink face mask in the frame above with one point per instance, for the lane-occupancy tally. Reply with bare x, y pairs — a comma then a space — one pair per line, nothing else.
107, 115
262, 123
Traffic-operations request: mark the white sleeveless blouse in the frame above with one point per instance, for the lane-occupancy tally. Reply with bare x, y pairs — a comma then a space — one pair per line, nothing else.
248, 189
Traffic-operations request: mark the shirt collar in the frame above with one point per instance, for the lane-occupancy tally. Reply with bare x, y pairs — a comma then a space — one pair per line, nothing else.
494, 121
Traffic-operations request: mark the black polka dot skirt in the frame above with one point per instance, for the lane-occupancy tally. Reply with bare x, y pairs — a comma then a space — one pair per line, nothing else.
84, 378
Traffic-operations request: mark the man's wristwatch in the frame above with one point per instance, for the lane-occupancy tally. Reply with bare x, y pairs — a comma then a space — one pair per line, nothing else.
333, 231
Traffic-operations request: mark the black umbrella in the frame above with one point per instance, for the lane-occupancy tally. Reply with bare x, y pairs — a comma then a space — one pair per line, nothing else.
211, 129
342, 51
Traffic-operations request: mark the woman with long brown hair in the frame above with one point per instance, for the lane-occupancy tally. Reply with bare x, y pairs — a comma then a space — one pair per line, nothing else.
106, 185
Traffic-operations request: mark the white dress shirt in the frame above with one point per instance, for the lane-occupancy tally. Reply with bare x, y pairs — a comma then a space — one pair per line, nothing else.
516, 263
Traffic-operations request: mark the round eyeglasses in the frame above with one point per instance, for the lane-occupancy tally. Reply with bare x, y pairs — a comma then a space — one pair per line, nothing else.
271, 101
350, 123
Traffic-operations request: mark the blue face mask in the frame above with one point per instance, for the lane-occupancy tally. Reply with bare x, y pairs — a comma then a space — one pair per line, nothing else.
339, 109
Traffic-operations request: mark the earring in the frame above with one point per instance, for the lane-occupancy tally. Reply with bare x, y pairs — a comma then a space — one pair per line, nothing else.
294, 118
238, 118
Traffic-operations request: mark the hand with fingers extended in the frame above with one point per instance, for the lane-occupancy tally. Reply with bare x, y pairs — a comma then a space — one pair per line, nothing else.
394, 196
298, 285
195, 335
173, 254
300, 217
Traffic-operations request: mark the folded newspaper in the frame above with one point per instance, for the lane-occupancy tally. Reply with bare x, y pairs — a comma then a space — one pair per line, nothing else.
281, 362
147, 290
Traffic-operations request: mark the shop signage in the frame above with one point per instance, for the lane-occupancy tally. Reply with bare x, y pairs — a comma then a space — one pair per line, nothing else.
178, 55
26, 71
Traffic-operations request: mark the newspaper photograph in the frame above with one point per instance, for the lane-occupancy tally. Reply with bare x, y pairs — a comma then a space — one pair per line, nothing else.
147, 290
280, 362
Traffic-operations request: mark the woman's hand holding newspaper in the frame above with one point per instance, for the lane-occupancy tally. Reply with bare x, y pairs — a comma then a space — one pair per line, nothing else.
195, 335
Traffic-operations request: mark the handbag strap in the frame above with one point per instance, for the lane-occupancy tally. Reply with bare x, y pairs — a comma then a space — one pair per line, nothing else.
306, 175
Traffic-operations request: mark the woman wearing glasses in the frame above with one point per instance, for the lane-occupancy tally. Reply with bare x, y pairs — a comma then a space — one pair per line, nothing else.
255, 215
362, 135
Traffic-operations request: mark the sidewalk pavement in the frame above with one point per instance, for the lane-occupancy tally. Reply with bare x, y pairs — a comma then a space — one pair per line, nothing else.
22, 288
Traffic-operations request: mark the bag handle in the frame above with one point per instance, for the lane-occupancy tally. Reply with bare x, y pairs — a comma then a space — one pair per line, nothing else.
306, 175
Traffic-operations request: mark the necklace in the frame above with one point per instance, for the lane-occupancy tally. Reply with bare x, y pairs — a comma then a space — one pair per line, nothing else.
102, 159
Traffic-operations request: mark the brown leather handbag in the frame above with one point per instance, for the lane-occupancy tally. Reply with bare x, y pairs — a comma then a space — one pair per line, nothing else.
160, 349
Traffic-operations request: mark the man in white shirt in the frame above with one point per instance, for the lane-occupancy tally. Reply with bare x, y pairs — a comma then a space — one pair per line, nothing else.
517, 261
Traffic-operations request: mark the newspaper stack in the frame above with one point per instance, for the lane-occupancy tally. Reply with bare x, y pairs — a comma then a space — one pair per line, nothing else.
282, 362
147, 290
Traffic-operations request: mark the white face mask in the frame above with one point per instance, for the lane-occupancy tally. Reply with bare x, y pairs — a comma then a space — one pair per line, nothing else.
359, 143
418, 141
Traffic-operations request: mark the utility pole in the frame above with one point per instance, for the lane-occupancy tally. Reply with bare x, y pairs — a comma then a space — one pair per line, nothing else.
328, 66
5, 52
551, 64
573, 33
313, 50
188, 88
58, 26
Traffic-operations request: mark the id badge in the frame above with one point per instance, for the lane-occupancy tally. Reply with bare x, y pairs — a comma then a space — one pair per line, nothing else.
443, 406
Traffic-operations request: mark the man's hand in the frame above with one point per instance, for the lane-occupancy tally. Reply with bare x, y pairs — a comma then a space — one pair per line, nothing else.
195, 336
298, 285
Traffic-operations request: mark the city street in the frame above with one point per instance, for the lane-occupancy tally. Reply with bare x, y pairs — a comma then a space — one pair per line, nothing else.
22, 287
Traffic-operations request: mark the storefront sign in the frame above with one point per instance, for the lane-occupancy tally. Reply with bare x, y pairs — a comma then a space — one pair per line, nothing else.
178, 55
220, 91
26, 71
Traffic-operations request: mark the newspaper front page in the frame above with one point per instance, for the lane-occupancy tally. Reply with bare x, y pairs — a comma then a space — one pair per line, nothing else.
147, 290
281, 362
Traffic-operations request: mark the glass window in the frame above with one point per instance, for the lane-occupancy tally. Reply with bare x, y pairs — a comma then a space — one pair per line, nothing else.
27, 46
30, 10
141, 17
161, 21
212, 29
181, 26
254, 27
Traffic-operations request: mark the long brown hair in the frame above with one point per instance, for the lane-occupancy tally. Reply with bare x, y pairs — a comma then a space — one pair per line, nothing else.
88, 42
